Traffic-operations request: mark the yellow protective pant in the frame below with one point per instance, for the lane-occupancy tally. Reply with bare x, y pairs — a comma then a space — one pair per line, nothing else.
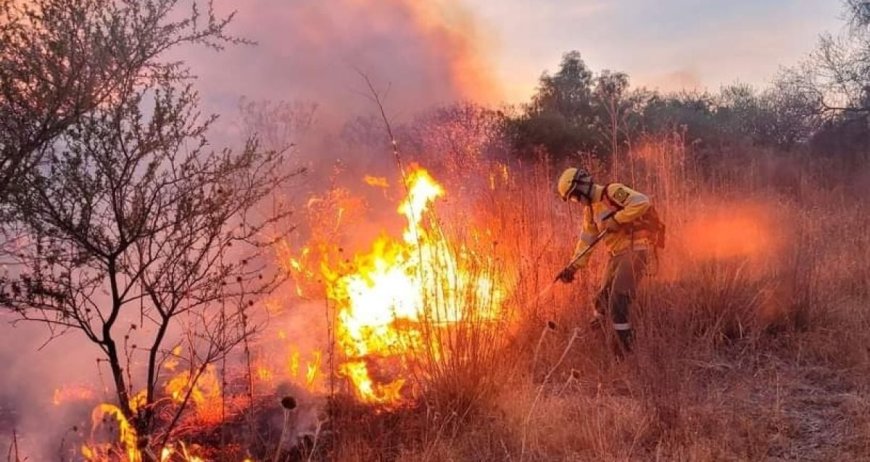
619, 288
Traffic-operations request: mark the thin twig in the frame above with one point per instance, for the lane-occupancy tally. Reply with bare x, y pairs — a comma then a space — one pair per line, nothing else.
574, 337
376, 98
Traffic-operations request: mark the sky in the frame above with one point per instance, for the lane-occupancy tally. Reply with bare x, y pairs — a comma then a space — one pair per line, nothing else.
666, 44
429, 52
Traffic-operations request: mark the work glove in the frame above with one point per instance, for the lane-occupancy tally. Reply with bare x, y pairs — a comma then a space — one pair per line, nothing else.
566, 275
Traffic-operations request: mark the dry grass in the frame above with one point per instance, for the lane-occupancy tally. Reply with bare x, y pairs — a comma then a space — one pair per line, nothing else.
754, 351
752, 331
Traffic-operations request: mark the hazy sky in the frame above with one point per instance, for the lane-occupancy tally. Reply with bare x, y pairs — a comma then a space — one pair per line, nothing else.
434, 51
663, 43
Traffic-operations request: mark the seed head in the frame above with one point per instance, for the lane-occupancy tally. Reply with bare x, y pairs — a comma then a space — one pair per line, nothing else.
288, 402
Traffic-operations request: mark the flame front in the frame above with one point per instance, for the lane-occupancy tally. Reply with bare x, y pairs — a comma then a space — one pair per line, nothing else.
390, 299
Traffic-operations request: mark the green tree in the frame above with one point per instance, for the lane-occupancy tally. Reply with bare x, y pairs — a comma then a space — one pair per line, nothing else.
567, 92
561, 117
689, 112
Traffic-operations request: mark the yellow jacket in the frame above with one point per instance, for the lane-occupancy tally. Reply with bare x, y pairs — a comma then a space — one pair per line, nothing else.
627, 205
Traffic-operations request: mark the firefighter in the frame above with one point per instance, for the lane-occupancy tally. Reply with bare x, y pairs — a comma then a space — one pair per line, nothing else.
633, 232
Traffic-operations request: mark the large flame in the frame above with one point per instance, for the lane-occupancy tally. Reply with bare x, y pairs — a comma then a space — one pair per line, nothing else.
392, 300
391, 303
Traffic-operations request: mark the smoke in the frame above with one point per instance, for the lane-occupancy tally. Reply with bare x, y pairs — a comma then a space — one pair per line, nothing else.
732, 230
417, 55
34, 370
685, 79
420, 53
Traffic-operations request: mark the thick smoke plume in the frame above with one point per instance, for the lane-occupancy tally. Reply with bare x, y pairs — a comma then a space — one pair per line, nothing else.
427, 53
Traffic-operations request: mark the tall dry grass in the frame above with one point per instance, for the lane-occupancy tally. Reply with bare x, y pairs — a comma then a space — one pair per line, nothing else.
756, 308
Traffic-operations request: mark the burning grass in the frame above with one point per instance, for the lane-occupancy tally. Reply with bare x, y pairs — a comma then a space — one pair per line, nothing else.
750, 293
439, 346
407, 306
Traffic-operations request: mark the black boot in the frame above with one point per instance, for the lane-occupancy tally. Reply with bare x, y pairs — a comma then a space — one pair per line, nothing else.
625, 339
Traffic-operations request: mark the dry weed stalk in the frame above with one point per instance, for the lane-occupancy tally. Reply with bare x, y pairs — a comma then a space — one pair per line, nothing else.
288, 429
574, 335
550, 326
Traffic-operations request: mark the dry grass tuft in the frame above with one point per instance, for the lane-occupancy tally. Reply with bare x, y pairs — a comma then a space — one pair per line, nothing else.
752, 333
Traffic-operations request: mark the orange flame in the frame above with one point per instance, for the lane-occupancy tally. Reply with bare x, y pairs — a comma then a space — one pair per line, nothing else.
172, 361
126, 436
387, 296
376, 181
205, 394
69, 393
313, 369
184, 454
309, 375
206, 400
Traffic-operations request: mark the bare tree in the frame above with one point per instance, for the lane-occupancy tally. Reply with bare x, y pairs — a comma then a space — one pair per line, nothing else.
134, 226
60, 59
836, 77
